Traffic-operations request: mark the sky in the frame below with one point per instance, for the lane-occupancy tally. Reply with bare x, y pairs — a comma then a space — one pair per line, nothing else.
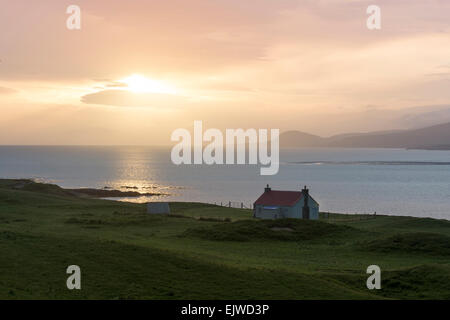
137, 70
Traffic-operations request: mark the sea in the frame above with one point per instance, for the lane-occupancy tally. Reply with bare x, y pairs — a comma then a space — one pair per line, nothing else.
385, 181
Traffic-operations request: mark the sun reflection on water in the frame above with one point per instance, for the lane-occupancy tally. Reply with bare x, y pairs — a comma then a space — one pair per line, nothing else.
150, 191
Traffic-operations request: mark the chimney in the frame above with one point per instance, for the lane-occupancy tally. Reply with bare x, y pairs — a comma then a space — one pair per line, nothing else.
267, 189
305, 209
305, 192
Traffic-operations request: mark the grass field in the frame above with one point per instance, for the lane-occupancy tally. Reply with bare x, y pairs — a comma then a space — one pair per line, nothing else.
203, 251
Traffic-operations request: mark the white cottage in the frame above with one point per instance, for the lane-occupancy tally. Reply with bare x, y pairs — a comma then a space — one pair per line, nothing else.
158, 208
274, 204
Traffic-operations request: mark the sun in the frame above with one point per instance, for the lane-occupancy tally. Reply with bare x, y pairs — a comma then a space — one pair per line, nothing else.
140, 84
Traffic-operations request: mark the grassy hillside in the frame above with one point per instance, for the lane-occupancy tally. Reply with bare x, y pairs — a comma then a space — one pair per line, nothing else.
207, 252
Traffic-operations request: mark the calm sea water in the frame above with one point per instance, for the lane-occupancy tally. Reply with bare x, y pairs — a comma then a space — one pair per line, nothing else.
388, 181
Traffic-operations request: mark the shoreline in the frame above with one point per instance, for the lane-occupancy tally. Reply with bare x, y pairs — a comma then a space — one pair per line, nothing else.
32, 185
106, 193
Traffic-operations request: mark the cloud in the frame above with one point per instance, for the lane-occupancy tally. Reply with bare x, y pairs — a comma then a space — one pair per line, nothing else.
231, 86
251, 65
160, 37
109, 83
116, 84
4, 90
122, 98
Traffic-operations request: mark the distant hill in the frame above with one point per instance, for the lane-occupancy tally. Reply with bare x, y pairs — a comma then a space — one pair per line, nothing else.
435, 137
297, 139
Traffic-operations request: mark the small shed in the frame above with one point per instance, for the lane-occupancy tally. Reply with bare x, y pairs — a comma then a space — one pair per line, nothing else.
158, 208
275, 204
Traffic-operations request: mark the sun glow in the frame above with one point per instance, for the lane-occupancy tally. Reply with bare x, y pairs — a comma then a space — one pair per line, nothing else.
139, 84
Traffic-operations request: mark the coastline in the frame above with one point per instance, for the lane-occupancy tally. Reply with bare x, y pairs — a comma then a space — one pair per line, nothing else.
31, 185
44, 228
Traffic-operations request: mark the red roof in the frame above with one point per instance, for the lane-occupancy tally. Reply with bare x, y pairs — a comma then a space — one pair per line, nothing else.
279, 198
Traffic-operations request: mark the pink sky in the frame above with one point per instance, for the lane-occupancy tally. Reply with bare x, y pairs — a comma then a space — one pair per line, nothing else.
306, 65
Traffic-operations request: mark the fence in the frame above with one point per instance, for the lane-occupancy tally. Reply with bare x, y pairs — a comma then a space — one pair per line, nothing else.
234, 204
336, 217
342, 217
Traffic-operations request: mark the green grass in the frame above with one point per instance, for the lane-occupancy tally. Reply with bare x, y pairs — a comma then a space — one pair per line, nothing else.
416, 242
272, 230
204, 251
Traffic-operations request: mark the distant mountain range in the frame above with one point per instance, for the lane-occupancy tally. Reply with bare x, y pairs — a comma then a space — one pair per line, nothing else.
436, 137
